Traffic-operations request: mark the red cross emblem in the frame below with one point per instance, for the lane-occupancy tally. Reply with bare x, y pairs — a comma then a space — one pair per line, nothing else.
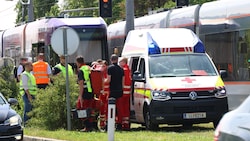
189, 80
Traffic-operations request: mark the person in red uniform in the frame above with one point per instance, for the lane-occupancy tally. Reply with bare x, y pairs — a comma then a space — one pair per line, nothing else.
104, 98
126, 94
86, 96
97, 86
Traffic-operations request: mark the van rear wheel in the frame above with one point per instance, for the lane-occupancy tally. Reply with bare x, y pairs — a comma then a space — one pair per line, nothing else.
148, 123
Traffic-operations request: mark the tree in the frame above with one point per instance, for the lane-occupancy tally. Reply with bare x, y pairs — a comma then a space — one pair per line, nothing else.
41, 9
76, 4
193, 2
118, 9
144, 6
54, 11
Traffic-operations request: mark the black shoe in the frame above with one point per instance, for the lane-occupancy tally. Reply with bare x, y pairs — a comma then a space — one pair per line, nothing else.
86, 130
104, 129
119, 127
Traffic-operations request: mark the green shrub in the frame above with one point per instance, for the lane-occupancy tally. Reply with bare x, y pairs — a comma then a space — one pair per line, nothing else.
50, 107
8, 85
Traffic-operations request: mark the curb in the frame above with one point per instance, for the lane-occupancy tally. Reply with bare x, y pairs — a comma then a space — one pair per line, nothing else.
31, 138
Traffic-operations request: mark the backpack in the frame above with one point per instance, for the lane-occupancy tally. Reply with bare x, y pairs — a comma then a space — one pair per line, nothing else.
15, 72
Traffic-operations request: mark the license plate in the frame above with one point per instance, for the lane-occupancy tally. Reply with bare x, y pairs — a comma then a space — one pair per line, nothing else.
82, 113
194, 115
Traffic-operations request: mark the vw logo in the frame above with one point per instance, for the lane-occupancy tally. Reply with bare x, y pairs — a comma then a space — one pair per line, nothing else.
193, 95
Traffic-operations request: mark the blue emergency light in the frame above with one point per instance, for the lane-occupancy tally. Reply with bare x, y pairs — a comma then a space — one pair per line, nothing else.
153, 47
199, 47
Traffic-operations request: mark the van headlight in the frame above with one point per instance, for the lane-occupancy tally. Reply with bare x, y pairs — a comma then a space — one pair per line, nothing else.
161, 95
220, 92
14, 120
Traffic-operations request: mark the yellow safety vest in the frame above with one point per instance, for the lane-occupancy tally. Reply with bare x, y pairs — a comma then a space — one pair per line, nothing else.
86, 74
63, 69
31, 84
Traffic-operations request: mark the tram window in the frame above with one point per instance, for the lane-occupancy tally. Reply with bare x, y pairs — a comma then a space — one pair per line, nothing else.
220, 48
243, 55
230, 51
243, 48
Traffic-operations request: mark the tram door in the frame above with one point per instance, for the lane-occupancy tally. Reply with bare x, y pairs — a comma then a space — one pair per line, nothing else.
36, 49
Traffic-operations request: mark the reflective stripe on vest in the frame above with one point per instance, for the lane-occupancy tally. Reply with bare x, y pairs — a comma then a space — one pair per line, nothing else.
63, 69
86, 74
106, 85
40, 72
31, 84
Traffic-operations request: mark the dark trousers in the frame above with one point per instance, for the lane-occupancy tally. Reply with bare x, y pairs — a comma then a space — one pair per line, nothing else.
27, 107
42, 86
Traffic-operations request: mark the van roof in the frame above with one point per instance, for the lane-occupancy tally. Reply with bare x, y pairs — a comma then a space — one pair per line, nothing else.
162, 41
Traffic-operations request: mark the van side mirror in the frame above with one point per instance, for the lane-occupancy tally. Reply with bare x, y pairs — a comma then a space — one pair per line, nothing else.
137, 76
223, 73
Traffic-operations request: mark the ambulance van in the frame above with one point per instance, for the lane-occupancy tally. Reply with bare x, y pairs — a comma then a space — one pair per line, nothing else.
174, 80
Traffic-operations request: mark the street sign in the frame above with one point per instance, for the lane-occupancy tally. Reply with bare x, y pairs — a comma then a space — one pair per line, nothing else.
65, 41
65, 37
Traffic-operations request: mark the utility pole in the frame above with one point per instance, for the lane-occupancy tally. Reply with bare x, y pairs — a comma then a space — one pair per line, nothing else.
30, 11
29, 4
23, 12
129, 16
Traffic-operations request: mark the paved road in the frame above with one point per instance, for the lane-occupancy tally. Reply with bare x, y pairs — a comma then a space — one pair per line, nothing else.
235, 100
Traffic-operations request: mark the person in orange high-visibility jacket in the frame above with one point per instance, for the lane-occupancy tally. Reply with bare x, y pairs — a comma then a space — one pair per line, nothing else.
126, 94
41, 71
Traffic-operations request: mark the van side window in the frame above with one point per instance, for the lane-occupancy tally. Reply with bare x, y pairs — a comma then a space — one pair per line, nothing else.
142, 67
134, 64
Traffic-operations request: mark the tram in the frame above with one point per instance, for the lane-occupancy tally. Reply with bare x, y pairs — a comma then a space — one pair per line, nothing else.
223, 26
35, 37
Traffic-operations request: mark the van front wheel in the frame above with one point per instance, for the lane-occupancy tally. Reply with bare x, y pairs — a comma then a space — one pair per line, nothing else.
148, 123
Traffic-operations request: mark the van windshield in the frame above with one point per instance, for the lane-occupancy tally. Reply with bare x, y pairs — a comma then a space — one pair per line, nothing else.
180, 65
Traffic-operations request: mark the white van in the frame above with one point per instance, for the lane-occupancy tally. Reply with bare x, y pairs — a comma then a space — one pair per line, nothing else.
174, 80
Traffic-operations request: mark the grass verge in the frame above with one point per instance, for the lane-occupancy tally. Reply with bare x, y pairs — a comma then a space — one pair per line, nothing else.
199, 132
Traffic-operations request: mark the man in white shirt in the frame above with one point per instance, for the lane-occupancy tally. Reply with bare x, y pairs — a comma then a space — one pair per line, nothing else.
20, 68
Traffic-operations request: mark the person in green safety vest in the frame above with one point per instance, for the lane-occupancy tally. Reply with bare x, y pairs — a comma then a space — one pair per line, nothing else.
60, 68
28, 88
86, 96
